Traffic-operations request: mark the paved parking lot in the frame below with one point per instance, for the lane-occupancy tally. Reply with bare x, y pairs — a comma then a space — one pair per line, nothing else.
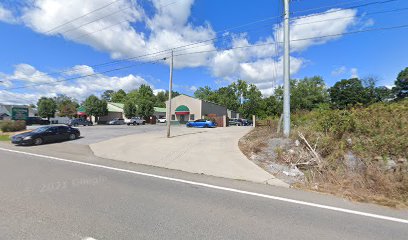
99, 133
95, 134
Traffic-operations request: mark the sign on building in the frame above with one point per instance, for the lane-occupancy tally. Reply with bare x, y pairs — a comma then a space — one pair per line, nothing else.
19, 113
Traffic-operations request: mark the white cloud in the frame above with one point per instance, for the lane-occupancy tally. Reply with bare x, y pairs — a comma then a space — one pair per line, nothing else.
193, 88
354, 73
339, 71
76, 88
7, 16
156, 91
313, 27
114, 31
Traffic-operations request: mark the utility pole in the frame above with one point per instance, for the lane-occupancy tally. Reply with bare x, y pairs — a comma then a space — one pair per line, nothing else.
286, 73
168, 120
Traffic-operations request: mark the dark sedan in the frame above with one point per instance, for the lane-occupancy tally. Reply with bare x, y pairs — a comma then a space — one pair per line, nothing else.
46, 135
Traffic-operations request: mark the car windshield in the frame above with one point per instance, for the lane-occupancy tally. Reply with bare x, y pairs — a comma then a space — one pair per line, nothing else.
40, 129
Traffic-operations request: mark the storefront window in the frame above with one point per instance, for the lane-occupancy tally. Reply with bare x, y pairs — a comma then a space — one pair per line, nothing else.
173, 117
191, 117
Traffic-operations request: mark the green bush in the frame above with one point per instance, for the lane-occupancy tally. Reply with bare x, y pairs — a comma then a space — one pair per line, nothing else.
12, 126
378, 130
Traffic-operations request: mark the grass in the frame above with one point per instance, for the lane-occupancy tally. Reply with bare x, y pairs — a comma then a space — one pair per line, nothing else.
4, 138
375, 136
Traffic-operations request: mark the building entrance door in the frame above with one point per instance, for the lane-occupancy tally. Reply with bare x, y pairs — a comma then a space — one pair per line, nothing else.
183, 119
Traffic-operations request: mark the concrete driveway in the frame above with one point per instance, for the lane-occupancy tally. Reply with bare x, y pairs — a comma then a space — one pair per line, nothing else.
212, 152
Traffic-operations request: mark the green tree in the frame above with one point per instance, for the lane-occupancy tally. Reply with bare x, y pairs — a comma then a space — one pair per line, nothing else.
145, 101
67, 108
107, 95
161, 99
227, 96
46, 107
95, 107
205, 93
401, 84
273, 106
119, 96
308, 93
384, 94
253, 103
347, 93
130, 109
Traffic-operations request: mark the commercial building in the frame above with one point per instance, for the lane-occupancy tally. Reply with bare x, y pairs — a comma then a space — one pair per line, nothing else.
7, 109
185, 108
115, 110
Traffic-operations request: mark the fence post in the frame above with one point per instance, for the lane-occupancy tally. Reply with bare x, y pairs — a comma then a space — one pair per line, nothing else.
253, 121
224, 120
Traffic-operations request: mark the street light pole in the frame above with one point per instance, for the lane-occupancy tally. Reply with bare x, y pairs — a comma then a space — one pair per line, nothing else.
286, 73
170, 91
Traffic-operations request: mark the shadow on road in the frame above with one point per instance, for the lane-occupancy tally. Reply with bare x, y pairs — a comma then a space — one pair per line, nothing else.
185, 134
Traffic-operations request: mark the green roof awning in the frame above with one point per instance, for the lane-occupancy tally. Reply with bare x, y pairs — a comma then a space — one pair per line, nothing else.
159, 109
182, 108
81, 109
115, 107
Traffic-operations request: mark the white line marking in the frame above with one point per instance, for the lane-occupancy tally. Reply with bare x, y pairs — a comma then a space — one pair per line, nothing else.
337, 209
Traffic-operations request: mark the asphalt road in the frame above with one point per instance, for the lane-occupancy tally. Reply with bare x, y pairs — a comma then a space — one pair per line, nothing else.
44, 198
99, 133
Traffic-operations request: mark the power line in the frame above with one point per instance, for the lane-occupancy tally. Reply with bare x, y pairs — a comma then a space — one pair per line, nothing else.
199, 52
108, 15
80, 77
301, 39
361, 15
77, 18
95, 20
339, 10
191, 45
330, 6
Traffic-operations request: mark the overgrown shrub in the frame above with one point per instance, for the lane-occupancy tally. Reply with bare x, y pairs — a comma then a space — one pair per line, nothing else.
374, 135
12, 126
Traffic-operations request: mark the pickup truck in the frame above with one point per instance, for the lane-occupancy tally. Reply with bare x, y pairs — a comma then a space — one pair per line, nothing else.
135, 121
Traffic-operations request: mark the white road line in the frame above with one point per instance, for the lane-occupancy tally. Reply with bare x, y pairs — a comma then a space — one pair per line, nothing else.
337, 209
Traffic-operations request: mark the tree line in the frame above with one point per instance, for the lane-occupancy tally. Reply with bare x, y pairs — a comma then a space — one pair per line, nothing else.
306, 94
247, 99
138, 102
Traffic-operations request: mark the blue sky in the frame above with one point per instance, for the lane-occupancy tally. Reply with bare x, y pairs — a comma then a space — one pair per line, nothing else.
30, 51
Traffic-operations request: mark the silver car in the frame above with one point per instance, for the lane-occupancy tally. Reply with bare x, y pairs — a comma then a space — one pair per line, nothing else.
116, 121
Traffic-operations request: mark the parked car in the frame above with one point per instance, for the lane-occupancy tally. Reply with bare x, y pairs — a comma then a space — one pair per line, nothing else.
202, 123
245, 122
79, 121
37, 120
234, 122
135, 121
116, 121
162, 120
46, 134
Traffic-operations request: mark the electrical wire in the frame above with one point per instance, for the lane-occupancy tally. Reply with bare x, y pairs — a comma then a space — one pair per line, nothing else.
301, 39
199, 52
85, 76
338, 10
77, 18
191, 45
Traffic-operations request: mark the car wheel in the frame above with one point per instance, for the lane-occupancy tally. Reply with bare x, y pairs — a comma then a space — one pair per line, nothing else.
72, 136
143, 123
38, 141
134, 124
